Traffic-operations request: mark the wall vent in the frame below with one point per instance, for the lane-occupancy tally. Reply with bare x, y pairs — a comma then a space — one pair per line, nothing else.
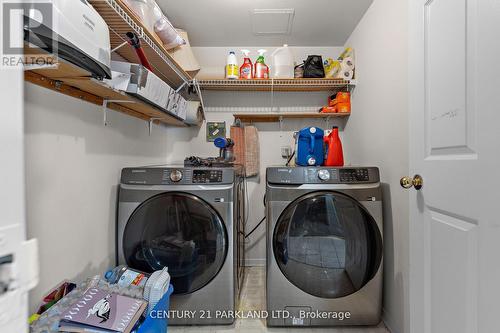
272, 21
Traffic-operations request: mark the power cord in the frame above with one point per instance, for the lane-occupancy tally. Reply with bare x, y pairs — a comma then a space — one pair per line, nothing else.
255, 228
260, 222
290, 158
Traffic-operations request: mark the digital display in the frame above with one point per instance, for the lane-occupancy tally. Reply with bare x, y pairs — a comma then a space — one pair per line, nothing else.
354, 175
207, 176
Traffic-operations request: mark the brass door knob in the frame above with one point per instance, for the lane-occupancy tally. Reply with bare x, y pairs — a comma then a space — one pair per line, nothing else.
417, 182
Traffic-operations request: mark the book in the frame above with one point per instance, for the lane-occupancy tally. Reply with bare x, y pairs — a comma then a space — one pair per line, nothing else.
102, 311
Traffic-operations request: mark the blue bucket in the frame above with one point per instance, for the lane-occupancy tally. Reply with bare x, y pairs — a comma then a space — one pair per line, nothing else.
158, 325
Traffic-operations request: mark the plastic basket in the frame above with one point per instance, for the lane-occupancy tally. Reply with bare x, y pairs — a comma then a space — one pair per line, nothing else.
157, 325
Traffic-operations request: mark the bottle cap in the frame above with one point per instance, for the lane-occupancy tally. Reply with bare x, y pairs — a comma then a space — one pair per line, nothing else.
108, 275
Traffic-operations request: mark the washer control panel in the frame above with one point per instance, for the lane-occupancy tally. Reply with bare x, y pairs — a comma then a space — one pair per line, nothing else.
207, 176
322, 175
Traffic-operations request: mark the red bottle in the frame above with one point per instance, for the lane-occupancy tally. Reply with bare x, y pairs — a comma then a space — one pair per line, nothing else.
335, 155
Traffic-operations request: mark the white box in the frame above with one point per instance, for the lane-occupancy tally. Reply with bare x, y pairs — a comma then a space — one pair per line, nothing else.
143, 84
182, 109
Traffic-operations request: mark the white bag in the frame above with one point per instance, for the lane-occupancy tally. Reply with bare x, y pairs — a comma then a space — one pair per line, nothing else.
144, 10
167, 34
152, 17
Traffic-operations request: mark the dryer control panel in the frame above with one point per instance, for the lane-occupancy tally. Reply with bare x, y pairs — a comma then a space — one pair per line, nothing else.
177, 176
322, 175
207, 176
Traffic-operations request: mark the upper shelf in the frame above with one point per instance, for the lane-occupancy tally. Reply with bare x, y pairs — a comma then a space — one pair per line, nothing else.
277, 84
73, 81
121, 20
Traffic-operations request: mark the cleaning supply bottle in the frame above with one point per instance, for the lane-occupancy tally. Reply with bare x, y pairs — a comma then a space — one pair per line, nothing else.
261, 71
282, 65
334, 153
246, 70
125, 276
231, 66
310, 150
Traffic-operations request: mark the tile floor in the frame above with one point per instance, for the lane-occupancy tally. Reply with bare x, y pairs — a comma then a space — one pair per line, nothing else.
253, 297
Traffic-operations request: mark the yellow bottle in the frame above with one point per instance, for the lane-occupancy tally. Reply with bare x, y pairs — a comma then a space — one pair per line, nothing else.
232, 69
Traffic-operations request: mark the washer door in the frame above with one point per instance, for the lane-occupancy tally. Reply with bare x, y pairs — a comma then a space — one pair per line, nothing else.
327, 244
180, 231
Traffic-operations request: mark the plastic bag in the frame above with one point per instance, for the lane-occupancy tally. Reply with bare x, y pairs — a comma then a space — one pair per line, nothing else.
313, 67
167, 34
152, 17
332, 68
144, 10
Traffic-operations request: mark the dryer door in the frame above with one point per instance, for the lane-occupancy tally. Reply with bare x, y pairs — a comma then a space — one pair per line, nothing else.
327, 244
180, 231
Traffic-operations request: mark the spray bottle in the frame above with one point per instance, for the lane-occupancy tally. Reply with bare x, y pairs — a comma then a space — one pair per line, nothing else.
261, 70
246, 70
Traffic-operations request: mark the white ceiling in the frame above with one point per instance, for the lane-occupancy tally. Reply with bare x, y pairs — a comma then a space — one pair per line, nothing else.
229, 22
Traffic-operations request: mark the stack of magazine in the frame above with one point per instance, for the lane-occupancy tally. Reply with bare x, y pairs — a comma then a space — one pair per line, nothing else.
103, 311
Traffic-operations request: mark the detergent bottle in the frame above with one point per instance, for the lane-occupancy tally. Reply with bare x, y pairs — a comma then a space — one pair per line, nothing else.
261, 71
125, 276
246, 70
310, 150
231, 66
334, 153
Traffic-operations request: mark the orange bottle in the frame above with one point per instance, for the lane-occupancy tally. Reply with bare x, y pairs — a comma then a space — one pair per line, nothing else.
335, 154
246, 70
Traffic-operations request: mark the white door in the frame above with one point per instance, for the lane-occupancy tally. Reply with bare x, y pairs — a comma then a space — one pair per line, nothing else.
455, 147
18, 257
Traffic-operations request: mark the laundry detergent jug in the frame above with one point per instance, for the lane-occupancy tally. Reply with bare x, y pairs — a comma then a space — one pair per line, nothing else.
282, 63
334, 153
310, 150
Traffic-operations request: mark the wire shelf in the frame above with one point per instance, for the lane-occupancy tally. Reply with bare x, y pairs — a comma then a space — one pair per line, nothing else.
277, 85
121, 20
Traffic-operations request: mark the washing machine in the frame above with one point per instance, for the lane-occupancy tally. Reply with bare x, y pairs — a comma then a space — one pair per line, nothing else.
190, 219
324, 246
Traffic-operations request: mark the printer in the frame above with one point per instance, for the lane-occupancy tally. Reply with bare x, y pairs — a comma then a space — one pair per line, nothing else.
76, 33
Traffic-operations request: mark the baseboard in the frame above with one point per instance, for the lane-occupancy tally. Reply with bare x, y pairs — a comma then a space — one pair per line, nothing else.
255, 262
386, 318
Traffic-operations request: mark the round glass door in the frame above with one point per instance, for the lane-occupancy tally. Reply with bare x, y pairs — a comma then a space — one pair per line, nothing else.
327, 244
180, 231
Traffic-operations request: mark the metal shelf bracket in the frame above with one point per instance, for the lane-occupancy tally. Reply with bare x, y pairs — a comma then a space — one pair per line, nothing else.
119, 47
150, 124
105, 103
181, 86
197, 87
327, 122
281, 119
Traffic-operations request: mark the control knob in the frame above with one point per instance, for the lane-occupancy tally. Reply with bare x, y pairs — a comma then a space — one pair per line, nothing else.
175, 176
324, 174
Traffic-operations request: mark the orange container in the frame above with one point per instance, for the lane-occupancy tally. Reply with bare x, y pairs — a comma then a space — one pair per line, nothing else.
343, 97
343, 107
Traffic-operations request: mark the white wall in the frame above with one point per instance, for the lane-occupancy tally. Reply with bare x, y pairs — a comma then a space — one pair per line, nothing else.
377, 132
73, 166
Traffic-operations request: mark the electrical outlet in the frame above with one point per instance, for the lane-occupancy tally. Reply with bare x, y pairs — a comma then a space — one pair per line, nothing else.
286, 152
